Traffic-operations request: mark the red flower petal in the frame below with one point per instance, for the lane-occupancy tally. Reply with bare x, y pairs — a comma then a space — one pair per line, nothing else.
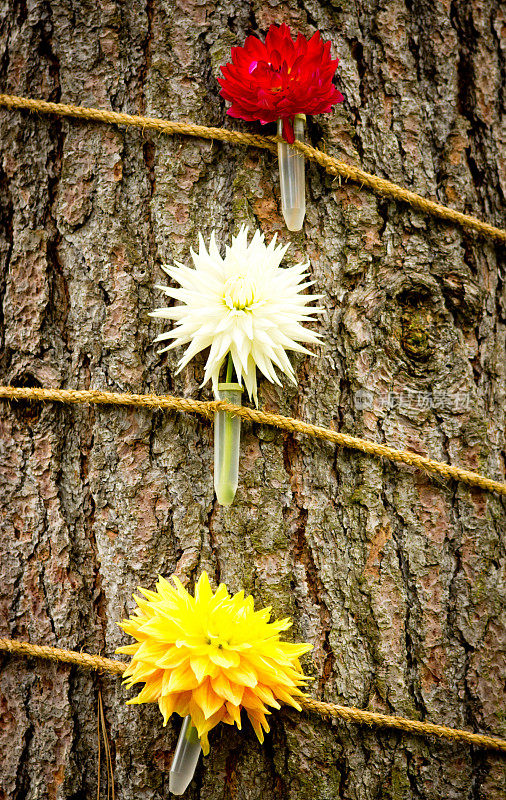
288, 130
280, 78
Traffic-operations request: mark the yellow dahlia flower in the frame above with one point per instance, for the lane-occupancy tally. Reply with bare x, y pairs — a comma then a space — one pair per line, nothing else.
210, 656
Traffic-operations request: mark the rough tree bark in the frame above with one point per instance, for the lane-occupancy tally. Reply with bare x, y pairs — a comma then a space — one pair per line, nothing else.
397, 579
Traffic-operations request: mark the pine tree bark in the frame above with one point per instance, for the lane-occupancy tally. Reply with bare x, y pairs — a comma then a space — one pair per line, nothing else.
396, 578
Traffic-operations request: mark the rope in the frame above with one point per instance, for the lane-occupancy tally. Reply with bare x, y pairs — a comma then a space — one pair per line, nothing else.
332, 165
345, 713
66, 656
358, 715
207, 408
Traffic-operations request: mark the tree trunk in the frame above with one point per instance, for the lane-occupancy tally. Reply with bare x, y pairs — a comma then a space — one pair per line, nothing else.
396, 578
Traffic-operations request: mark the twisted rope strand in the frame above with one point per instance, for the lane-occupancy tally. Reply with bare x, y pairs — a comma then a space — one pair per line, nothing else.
332, 165
149, 123
346, 713
65, 656
207, 408
358, 715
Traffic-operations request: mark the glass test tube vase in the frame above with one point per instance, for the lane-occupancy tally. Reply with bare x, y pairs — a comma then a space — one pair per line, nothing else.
227, 438
185, 758
292, 176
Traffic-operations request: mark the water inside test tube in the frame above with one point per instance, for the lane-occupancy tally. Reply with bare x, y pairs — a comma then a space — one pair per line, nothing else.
292, 177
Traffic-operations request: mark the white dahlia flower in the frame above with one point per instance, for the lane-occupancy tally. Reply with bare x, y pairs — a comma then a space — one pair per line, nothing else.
244, 304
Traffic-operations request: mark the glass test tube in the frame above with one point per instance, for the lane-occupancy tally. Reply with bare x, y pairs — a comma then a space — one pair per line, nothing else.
292, 177
185, 758
227, 438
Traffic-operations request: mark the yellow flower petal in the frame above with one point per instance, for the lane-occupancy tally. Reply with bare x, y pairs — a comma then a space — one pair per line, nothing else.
204, 741
283, 695
224, 658
141, 672
173, 657
203, 591
150, 651
183, 704
128, 649
265, 694
259, 724
244, 674
202, 668
229, 691
207, 699
235, 713
181, 678
168, 704
150, 693
250, 700
159, 629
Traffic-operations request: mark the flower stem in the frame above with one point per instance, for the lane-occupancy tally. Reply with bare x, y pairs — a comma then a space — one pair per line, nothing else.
185, 758
227, 435
230, 366
227, 444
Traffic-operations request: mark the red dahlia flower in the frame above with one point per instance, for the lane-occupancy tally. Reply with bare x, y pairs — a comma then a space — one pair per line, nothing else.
280, 78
